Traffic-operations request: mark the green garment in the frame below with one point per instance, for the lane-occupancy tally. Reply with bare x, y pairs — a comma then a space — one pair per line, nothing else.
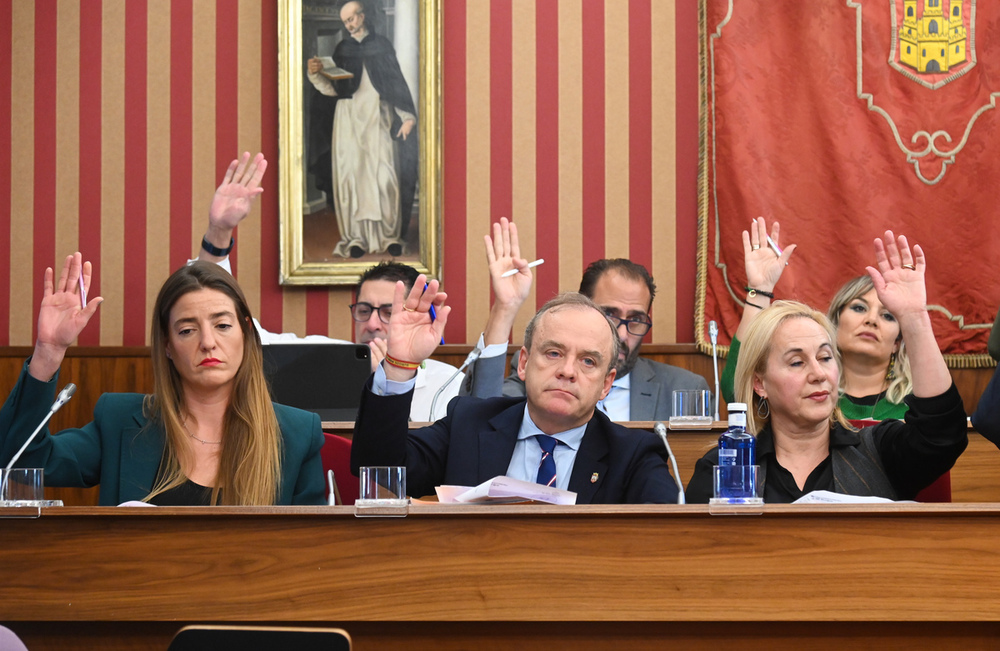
122, 451
866, 408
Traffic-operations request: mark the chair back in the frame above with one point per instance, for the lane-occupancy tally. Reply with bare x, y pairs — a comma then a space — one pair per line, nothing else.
9, 641
336, 454
259, 638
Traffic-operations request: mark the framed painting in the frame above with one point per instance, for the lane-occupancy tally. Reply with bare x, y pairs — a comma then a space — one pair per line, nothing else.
360, 136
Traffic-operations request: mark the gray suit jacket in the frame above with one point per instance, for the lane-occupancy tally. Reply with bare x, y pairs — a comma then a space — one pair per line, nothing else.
651, 394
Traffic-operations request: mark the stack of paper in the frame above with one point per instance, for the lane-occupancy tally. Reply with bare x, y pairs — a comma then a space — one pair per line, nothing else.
504, 490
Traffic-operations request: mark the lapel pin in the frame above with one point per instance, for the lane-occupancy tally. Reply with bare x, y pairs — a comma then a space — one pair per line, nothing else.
593, 478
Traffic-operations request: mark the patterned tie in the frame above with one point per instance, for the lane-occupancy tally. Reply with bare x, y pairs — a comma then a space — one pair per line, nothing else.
547, 467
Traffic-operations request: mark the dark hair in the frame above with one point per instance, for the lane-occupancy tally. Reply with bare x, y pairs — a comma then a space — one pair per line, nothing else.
567, 300
391, 271
625, 267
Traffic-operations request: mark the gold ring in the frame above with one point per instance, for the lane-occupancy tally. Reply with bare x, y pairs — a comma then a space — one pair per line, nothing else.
911, 267
409, 309
756, 246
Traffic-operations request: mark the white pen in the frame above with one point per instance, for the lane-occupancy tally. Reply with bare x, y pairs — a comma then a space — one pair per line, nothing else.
508, 274
83, 292
774, 247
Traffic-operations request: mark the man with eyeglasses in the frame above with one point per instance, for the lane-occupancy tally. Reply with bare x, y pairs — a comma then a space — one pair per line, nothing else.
643, 389
372, 311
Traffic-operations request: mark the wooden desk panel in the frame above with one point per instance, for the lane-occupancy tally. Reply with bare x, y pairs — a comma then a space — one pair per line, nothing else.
635, 563
485, 568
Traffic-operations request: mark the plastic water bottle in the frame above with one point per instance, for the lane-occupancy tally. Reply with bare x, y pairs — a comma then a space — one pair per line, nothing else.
737, 457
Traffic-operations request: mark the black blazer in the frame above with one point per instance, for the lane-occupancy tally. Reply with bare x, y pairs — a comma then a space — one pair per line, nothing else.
475, 442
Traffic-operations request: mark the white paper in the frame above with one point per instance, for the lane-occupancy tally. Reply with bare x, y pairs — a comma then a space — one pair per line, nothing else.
507, 488
828, 497
447, 494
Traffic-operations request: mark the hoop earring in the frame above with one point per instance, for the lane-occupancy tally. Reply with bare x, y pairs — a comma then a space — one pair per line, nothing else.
890, 374
762, 406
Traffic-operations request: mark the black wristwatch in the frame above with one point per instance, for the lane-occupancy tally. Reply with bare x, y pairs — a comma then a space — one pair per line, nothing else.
216, 251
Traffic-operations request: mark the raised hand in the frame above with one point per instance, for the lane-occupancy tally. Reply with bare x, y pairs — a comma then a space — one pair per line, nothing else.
62, 316
413, 334
899, 283
899, 278
503, 253
235, 195
763, 265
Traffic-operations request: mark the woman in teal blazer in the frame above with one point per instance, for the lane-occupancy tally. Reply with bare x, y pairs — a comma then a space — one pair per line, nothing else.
209, 434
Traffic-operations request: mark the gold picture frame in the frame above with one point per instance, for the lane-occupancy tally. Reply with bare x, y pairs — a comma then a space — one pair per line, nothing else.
305, 227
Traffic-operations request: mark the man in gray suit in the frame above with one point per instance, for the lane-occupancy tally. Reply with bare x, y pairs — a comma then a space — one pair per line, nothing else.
642, 390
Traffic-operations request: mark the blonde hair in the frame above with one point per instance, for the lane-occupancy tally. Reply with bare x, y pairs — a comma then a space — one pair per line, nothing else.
250, 461
756, 348
901, 384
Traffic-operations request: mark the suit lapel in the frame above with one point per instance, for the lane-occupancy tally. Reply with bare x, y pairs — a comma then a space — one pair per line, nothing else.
591, 465
141, 452
497, 440
644, 392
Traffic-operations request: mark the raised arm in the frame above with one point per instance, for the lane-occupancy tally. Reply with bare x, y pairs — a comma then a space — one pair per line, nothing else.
233, 200
485, 377
503, 254
61, 317
899, 283
413, 334
763, 270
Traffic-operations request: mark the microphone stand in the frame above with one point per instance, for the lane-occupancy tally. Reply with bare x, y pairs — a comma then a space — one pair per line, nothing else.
472, 356
713, 332
61, 400
661, 430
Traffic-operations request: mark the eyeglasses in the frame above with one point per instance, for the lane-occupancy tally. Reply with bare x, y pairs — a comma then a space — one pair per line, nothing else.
637, 327
361, 312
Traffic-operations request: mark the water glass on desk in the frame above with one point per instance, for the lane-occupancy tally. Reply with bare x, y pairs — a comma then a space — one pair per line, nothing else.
21, 487
692, 408
382, 492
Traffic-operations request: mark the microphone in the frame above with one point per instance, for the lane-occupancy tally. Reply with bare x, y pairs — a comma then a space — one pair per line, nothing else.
471, 357
713, 333
661, 430
61, 400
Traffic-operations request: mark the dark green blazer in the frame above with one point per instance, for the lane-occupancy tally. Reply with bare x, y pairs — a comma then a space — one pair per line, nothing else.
121, 451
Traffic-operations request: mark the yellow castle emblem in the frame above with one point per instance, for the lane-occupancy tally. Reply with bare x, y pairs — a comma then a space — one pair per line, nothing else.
934, 41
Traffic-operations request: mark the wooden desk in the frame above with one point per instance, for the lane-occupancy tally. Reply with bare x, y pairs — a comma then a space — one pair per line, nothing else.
533, 577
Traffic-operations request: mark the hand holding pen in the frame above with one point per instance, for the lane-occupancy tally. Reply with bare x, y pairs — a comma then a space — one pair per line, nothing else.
764, 259
413, 333
63, 314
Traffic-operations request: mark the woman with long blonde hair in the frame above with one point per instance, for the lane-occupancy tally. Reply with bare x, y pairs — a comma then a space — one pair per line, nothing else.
209, 433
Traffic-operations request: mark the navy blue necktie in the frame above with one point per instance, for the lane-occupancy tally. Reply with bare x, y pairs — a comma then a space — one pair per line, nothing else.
547, 467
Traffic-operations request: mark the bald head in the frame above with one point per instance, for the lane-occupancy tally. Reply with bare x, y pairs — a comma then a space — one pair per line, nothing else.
353, 16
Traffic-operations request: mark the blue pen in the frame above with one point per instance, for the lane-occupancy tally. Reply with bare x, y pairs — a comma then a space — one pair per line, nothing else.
432, 312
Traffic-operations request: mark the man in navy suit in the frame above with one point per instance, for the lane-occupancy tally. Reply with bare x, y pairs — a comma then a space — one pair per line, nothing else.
567, 364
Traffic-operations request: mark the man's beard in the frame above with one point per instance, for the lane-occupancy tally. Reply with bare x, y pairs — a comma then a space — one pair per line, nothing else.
625, 366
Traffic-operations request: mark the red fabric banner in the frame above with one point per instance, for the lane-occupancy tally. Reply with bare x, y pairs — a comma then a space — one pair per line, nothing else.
842, 119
